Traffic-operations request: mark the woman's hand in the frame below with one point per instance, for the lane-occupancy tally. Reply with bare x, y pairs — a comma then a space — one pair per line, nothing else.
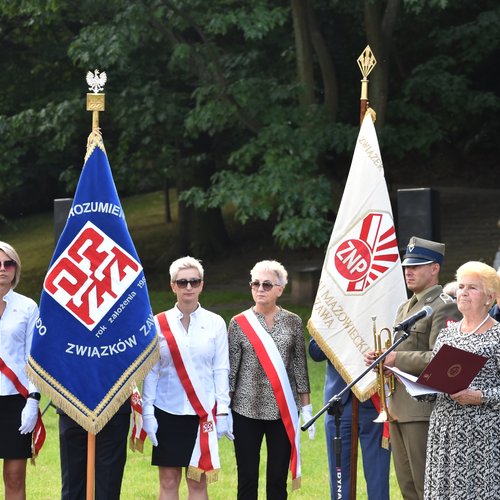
306, 416
467, 397
150, 426
29, 416
224, 426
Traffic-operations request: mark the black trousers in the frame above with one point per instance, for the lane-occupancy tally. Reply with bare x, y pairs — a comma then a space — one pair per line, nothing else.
110, 458
248, 435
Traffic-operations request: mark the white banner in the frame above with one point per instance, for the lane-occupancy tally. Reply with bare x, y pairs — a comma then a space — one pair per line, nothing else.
362, 275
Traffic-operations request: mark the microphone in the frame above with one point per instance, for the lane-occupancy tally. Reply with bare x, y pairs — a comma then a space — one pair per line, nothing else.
405, 324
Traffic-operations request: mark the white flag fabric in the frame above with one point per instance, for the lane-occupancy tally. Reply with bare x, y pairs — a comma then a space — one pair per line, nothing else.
362, 275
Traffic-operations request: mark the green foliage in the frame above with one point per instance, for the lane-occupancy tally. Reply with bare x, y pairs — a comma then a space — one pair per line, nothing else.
205, 96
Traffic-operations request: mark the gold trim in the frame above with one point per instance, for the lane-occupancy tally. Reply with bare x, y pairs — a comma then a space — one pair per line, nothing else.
75, 409
96, 102
361, 395
94, 141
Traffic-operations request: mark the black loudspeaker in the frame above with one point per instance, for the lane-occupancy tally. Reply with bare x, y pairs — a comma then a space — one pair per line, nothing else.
62, 206
418, 215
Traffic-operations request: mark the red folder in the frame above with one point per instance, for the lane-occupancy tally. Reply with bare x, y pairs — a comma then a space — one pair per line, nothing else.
451, 369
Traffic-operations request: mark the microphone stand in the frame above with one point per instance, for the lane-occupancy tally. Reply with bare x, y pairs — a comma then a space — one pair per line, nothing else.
334, 407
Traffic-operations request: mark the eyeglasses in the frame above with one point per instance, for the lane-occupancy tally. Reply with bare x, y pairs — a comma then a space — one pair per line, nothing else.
8, 264
194, 282
266, 285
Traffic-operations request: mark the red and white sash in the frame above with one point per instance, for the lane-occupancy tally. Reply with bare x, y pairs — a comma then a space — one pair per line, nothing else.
137, 435
385, 431
274, 368
205, 457
39, 433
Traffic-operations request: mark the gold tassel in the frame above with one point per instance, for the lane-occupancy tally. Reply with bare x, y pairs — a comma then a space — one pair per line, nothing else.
139, 445
131, 443
385, 443
194, 473
212, 476
135, 444
296, 483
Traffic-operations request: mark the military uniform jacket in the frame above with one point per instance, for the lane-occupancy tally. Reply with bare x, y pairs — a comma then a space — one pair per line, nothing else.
413, 354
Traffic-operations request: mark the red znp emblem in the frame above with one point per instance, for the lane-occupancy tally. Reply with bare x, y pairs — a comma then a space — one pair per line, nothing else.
366, 253
91, 275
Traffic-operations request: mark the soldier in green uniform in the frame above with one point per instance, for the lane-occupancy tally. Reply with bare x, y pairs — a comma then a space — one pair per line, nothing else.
409, 418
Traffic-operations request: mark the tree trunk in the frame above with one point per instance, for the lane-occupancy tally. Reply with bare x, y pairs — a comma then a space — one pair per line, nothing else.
379, 29
303, 50
328, 74
201, 232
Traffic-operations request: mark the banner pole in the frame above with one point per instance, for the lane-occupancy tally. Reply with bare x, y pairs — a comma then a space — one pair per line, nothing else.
366, 62
90, 465
95, 103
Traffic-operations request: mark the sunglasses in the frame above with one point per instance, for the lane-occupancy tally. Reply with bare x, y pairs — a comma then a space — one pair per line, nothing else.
8, 264
194, 282
266, 285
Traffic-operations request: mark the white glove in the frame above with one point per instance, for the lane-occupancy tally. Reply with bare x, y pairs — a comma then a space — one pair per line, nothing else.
307, 411
150, 425
29, 416
225, 426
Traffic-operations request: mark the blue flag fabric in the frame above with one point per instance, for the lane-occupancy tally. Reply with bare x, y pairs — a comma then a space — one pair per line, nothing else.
95, 337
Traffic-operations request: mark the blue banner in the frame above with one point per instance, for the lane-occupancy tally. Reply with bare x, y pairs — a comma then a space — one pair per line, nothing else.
95, 337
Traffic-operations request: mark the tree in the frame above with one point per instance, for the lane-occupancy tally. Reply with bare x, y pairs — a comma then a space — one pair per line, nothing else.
245, 104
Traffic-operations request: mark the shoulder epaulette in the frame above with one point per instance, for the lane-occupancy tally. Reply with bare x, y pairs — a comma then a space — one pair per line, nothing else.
447, 299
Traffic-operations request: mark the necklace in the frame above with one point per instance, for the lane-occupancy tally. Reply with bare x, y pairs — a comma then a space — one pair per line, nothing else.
475, 329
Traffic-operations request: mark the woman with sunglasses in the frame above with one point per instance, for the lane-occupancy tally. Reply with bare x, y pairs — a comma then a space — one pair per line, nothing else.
186, 394
269, 385
18, 412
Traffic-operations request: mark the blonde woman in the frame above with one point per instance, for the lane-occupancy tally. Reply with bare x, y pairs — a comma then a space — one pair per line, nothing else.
463, 448
18, 414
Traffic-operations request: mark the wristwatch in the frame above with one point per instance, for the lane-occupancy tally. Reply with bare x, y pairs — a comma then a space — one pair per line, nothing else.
484, 399
34, 395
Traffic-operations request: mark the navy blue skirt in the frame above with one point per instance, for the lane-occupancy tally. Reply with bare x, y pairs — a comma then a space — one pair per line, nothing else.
13, 444
176, 437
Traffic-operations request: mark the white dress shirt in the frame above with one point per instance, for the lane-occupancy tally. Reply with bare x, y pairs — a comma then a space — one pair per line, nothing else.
16, 331
206, 341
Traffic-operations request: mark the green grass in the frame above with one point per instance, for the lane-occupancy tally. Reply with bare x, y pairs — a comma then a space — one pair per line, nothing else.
141, 479
34, 240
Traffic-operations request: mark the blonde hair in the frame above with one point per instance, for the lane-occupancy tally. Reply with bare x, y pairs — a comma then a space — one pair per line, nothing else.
12, 254
185, 263
486, 274
271, 266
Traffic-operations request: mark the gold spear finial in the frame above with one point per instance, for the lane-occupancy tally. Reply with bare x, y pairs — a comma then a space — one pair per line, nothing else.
366, 62
95, 101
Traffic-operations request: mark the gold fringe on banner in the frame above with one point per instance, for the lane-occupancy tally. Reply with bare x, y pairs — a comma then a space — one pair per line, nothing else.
93, 420
362, 396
